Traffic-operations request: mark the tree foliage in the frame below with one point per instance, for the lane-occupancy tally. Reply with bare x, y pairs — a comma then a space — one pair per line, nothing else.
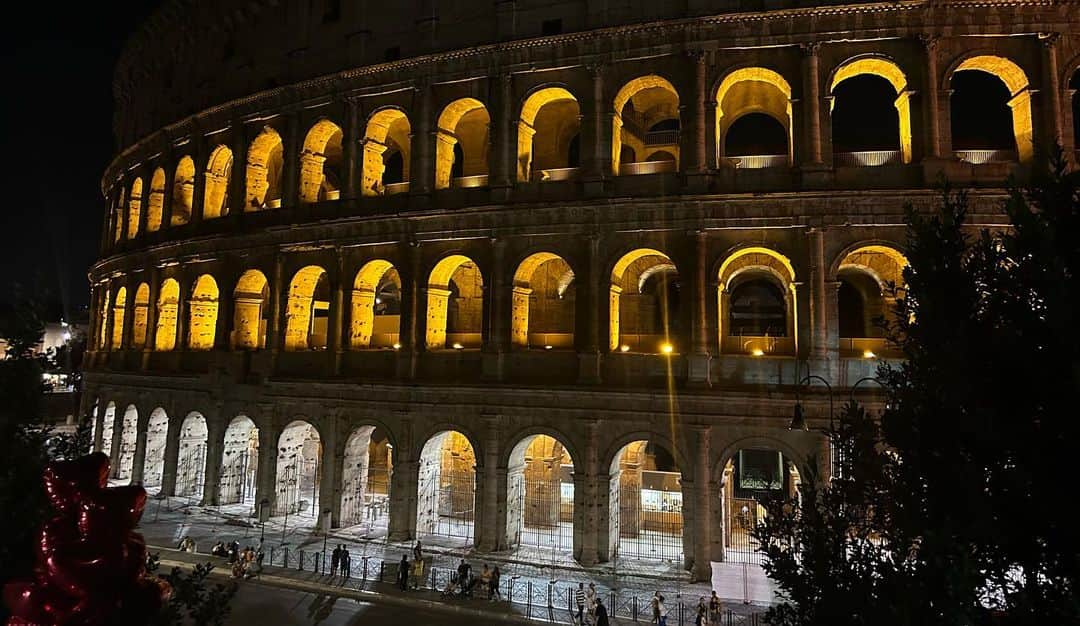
194, 600
952, 506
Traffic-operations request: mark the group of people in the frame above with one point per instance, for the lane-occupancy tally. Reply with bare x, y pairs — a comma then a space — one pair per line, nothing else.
246, 563
706, 613
340, 558
466, 583
411, 575
590, 607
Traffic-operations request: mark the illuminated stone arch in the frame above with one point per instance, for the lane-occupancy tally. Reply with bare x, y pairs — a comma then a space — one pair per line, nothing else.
463, 124
376, 306
367, 466
887, 69
386, 140
155, 205
446, 485
1016, 81
867, 274
753, 90
239, 462
638, 320
297, 473
119, 307
168, 310
542, 302
216, 185
191, 457
320, 163
645, 499
307, 310
265, 162
550, 120
183, 191
108, 423
157, 432
654, 100
250, 297
119, 215
103, 318
140, 316
754, 270
203, 313
134, 208
540, 492
454, 304
129, 437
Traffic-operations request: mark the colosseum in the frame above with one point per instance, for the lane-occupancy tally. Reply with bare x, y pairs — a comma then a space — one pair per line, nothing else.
534, 274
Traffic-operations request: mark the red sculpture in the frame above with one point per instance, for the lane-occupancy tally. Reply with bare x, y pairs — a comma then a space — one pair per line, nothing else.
91, 566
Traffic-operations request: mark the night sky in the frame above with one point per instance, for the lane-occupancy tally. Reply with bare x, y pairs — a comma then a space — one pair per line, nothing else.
57, 140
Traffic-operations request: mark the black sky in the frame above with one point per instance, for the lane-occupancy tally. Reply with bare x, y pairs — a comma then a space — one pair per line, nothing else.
57, 140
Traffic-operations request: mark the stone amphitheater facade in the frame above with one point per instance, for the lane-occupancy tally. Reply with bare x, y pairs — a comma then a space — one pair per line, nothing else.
495, 239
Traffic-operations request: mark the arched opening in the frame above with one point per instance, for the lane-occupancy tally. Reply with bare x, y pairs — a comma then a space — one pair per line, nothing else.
751, 477
455, 304
264, 168
446, 489
202, 313
191, 460
298, 471
95, 408
376, 306
139, 316
991, 111
548, 128
157, 435
119, 307
308, 310
644, 303
183, 191
646, 120
753, 119
320, 163
168, 307
107, 422
866, 298
365, 491
646, 508
239, 462
461, 145
155, 205
119, 214
543, 303
216, 186
103, 318
871, 114
386, 153
249, 318
756, 296
129, 437
134, 208
540, 495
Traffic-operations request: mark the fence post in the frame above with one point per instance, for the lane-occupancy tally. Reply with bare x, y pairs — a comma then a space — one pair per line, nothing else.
285, 556
433, 577
300, 565
382, 568
528, 605
364, 575
633, 608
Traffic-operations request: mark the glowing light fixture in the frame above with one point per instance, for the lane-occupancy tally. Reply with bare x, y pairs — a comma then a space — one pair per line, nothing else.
624, 348
667, 348
868, 354
757, 352
458, 346
397, 346
547, 347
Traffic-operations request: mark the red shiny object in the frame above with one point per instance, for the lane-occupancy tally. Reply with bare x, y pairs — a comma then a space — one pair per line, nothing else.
91, 567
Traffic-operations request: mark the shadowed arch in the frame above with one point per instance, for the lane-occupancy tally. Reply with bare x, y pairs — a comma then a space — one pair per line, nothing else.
387, 150
549, 122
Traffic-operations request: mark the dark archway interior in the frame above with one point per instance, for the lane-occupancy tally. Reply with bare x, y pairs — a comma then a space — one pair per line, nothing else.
1074, 85
573, 152
456, 171
981, 118
758, 309
665, 287
755, 134
852, 311
395, 169
864, 116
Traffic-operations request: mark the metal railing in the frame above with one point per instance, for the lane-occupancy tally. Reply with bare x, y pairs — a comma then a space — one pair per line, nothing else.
978, 157
559, 173
392, 188
758, 161
646, 167
661, 137
867, 158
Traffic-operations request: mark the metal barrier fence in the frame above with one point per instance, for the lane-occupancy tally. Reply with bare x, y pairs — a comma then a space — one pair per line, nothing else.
550, 601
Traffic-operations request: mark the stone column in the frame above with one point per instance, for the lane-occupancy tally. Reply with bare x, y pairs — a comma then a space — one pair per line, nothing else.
586, 505
812, 104
818, 319
151, 316
290, 173
422, 171
932, 102
329, 479
138, 461
169, 166
587, 315
351, 149
698, 162
275, 334
490, 533
225, 317
99, 424
596, 134
266, 472
129, 314
410, 313
497, 315
335, 342
1051, 89
215, 450
172, 454
403, 485
503, 153
237, 193
702, 504
699, 328
198, 195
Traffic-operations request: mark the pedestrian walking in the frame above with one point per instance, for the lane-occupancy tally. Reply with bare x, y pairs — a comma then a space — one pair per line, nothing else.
417, 552
702, 616
403, 574
601, 613
656, 607
715, 608
485, 580
661, 611
463, 576
346, 564
579, 596
590, 601
495, 589
335, 560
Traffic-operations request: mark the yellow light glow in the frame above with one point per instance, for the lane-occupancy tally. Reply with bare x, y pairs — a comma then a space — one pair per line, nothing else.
624, 348
547, 347
397, 346
869, 354
667, 348
458, 346
757, 352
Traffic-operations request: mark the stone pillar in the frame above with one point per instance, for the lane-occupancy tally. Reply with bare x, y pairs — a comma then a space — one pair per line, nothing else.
932, 102
699, 328
99, 424
818, 320
597, 130
1051, 89
587, 315
138, 462
812, 104
237, 192
497, 314
225, 317
330, 478
703, 506
586, 505
422, 171
275, 334
697, 163
129, 314
169, 165
215, 450
290, 173
824, 460
403, 485
172, 454
491, 530
351, 149
198, 195
335, 342
503, 137
151, 316
410, 314
266, 472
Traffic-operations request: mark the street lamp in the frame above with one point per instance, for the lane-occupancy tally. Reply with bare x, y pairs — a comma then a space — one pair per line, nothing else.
798, 420
745, 565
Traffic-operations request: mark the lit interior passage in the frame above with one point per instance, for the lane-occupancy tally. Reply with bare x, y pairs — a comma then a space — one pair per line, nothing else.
119, 309
250, 298
307, 310
446, 489
386, 153
644, 303
757, 303
298, 471
991, 111
543, 303
202, 313
455, 304
646, 500
365, 491
239, 462
376, 306
129, 435
750, 478
753, 119
645, 127
549, 136
191, 460
107, 422
168, 310
321, 163
183, 191
264, 168
134, 208
871, 114
216, 186
461, 145
871, 279
139, 316
157, 434
155, 203
540, 495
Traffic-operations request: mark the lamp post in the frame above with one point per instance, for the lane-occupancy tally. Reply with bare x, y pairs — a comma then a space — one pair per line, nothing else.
264, 510
798, 420
745, 565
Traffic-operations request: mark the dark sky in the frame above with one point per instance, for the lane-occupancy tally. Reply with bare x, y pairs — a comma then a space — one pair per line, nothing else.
57, 139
